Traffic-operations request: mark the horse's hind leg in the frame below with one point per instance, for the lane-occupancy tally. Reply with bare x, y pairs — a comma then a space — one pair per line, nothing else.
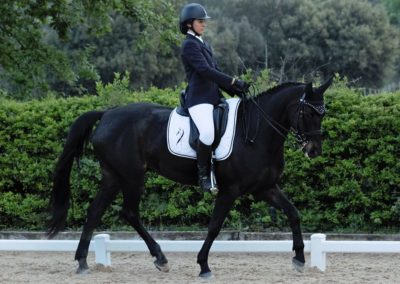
107, 193
276, 198
132, 192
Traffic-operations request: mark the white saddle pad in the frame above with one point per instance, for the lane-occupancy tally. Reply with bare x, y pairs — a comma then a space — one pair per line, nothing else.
178, 132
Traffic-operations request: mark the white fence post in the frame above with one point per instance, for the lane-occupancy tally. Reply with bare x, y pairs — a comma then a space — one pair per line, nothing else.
318, 255
102, 255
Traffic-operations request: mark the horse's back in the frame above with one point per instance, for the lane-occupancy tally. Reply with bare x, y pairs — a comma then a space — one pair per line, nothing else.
135, 111
130, 120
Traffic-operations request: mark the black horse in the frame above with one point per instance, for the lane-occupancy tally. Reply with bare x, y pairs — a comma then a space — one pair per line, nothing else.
131, 140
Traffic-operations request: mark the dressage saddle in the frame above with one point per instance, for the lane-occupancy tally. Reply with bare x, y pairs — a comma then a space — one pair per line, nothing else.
220, 121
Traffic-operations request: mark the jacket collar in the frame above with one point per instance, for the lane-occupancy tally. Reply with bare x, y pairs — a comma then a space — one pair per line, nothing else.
190, 32
203, 43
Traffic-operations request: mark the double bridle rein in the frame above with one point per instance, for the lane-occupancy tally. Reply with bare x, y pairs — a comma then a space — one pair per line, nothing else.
301, 136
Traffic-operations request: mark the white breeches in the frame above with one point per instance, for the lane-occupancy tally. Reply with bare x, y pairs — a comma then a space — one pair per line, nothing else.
202, 116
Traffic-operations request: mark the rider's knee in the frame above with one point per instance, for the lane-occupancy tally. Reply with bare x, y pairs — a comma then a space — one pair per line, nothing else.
207, 137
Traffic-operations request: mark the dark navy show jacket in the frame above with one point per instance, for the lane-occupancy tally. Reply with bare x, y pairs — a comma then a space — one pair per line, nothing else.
202, 73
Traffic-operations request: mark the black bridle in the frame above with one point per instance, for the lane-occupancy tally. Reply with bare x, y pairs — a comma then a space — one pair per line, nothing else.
301, 136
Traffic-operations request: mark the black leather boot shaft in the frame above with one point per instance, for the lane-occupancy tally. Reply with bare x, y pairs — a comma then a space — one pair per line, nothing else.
203, 165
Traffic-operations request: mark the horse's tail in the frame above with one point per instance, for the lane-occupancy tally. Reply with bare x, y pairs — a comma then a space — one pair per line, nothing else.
79, 133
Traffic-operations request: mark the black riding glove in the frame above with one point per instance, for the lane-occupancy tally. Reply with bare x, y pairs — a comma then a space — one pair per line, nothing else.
240, 87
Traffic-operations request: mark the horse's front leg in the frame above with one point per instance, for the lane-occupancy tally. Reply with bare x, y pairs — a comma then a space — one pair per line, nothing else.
223, 204
276, 198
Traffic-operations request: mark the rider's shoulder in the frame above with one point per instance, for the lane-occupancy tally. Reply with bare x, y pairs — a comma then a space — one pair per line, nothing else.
190, 40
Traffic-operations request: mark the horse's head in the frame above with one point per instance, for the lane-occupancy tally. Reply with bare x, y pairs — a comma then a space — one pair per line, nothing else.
306, 118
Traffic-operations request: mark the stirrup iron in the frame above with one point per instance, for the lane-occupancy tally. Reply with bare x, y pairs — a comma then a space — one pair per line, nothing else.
214, 187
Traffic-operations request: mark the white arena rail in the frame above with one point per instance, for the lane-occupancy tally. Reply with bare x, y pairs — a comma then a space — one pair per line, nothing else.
103, 246
320, 246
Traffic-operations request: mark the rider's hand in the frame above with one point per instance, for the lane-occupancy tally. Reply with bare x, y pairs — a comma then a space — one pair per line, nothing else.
240, 87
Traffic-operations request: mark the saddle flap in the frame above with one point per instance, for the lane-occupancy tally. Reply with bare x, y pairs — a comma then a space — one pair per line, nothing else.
178, 133
220, 116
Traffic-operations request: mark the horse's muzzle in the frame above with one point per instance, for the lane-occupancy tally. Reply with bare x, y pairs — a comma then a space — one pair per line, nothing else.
312, 149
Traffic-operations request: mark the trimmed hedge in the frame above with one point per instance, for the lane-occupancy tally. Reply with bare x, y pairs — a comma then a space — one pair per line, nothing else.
353, 186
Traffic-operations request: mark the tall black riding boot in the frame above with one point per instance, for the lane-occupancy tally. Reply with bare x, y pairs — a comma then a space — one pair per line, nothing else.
203, 165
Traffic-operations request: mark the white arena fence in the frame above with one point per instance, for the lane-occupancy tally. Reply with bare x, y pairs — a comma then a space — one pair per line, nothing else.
102, 246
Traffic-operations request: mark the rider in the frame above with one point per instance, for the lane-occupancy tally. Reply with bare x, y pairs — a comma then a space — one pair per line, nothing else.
204, 80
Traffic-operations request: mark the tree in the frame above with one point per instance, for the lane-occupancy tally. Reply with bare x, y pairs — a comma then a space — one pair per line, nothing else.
26, 60
306, 38
393, 8
358, 40
238, 45
154, 64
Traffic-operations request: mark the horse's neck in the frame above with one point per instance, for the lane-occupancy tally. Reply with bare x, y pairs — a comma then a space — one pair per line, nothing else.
276, 105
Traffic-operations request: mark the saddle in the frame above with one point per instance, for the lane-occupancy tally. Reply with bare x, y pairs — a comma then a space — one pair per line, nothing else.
220, 116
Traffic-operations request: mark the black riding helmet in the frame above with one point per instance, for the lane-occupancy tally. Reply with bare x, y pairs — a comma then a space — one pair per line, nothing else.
189, 13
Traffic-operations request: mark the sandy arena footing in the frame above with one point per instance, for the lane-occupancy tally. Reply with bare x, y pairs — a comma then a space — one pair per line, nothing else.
55, 267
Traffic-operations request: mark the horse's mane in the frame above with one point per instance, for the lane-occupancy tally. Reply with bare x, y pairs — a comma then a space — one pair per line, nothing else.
278, 88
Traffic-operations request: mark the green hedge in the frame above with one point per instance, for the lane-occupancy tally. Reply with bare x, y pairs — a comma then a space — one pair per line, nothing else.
353, 186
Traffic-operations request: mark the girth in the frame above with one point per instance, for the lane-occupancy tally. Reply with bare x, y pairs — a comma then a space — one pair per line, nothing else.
220, 116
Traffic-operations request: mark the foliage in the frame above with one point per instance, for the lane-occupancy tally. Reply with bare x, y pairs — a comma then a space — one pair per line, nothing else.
150, 62
115, 93
355, 183
31, 137
27, 60
393, 8
353, 186
66, 46
305, 38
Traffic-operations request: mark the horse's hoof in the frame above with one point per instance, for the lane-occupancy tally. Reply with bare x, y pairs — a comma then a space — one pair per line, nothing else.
82, 270
164, 267
206, 275
83, 267
298, 265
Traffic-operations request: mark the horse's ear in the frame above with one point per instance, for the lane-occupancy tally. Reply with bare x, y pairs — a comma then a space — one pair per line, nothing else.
321, 89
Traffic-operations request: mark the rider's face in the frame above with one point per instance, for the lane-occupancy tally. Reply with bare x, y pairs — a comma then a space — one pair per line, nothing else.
199, 26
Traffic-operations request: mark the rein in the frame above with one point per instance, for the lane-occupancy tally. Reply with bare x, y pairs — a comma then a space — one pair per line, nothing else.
301, 137
246, 124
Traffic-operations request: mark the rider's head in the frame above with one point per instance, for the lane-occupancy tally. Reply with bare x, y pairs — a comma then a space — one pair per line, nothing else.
193, 17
